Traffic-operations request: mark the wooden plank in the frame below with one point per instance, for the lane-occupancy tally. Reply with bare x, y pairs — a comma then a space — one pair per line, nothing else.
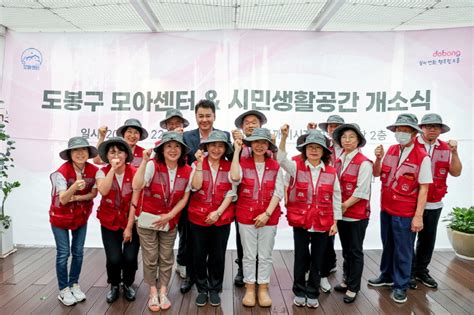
93, 295
19, 299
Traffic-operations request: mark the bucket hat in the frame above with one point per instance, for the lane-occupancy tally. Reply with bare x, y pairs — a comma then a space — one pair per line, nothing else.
240, 120
217, 136
261, 134
333, 119
172, 136
337, 134
173, 112
135, 123
409, 120
76, 143
434, 119
103, 148
315, 137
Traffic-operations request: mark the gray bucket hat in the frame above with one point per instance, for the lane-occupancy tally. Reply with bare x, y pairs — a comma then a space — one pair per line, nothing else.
261, 134
333, 119
217, 136
337, 134
103, 149
173, 112
434, 119
409, 120
316, 137
172, 136
240, 120
135, 123
76, 143
301, 139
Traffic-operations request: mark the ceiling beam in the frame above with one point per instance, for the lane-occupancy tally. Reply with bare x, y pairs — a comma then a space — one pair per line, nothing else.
326, 14
146, 13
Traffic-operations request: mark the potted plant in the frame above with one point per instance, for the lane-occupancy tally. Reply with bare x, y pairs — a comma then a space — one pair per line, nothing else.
6, 162
461, 231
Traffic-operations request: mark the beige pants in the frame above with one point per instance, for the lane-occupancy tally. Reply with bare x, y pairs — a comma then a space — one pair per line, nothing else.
157, 251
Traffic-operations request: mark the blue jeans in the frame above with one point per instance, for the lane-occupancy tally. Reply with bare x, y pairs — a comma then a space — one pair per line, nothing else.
398, 241
63, 250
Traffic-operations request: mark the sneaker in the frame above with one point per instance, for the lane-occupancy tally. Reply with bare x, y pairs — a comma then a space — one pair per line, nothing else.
214, 298
299, 301
312, 303
325, 285
380, 282
77, 293
427, 280
66, 297
181, 270
201, 299
412, 284
399, 295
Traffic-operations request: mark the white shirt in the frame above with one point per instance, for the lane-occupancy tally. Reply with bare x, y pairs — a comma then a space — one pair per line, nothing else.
429, 149
101, 175
150, 172
425, 176
364, 179
290, 168
279, 183
60, 183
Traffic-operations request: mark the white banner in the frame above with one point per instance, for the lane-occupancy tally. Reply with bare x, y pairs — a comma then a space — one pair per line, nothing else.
56, 86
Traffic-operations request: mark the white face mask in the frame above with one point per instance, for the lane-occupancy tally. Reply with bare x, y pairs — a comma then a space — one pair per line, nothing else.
403, 137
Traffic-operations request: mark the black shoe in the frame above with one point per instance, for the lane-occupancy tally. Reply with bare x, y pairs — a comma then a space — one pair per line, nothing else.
340, 288
239, 278
186, 285
380, 282
214, 298
427, 280
399, 295
348, 299
113, 294
201, 299
129, 293
412, 284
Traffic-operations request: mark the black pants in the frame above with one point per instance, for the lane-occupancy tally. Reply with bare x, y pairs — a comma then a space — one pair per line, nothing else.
240, 250
329, 260
352, 236
209, 246
426, 242
182, 232
318, 241
121, 258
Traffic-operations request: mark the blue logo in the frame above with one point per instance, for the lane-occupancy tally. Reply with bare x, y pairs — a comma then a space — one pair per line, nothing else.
31, 59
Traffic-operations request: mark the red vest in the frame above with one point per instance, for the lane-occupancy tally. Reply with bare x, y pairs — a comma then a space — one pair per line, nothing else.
211, 195
440, 160
73, 214
253, 197
400, 184
114, 207
137, 156
348, 179
157, 197
308, 207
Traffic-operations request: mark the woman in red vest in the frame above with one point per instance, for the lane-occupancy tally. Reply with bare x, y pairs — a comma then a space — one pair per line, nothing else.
132, 132
257, 211
210, 213
165, 184
313, 208
354, 171
114, 182
71, 205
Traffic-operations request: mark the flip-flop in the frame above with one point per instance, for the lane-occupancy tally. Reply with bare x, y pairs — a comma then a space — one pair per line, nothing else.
164, 302
153, 303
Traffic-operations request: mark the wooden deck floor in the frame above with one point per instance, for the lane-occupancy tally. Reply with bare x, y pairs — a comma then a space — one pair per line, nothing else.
28, 285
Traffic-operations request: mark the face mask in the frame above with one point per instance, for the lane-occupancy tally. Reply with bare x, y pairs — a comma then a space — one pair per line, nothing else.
403, 137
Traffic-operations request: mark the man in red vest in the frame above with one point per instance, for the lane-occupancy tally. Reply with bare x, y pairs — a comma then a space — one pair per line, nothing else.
444, 159
405, 173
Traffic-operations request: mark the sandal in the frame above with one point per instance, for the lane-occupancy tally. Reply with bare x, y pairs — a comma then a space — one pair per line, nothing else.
164, 302
153, 303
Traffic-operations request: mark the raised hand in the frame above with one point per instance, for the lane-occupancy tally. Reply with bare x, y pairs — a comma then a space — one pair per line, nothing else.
199, 155
379, 152
236, 134
103, 132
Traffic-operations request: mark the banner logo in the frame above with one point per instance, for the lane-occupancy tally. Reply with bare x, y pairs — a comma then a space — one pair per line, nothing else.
31, 59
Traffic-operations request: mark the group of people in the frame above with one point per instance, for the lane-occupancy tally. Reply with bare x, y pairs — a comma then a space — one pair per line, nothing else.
196, 183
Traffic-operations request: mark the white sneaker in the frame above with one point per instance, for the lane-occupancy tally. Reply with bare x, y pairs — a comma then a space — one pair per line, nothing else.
312, 303
77, 293
181, 270
66, 297
325, 285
